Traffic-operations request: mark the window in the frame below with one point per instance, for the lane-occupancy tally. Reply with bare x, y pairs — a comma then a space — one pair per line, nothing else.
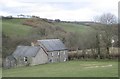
52, 54
64, 52
25, 58
65, 59
58, 53
50, 60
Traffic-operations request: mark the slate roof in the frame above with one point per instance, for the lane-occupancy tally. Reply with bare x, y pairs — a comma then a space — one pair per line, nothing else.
26, 51
52, 44
10, 57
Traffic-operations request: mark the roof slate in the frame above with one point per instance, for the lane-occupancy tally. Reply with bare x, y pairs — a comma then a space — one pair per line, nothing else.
26, 51
31, 51
10, 57
52, 44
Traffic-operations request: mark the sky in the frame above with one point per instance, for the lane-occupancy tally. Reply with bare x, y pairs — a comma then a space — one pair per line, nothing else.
68, 10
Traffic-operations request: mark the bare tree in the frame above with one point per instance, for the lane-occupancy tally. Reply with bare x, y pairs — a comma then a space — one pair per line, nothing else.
72, 40
107, 20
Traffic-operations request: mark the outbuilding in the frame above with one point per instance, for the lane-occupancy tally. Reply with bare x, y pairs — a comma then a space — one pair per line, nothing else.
41, 52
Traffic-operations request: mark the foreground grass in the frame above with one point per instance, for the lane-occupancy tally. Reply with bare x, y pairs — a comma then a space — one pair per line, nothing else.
67, 69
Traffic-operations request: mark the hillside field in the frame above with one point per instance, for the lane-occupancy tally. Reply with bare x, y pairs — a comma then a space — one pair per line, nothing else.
15, 27
89, 68
72, 27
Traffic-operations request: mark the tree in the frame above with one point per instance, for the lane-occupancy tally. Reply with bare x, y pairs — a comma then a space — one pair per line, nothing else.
107, 20
57, 20
72, 40
98, 44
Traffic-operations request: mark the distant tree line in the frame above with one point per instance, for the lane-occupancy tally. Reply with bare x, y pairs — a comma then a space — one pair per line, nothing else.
6, 17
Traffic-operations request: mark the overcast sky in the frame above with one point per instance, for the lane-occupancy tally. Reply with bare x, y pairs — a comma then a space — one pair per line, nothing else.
72, 10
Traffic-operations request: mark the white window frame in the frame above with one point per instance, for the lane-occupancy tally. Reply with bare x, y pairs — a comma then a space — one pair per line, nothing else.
65, 59
64, 52
58, 53
25, 58
52, 54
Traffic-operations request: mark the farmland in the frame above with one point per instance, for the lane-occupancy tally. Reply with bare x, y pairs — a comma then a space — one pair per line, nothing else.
72, 27
90, 68
14, 27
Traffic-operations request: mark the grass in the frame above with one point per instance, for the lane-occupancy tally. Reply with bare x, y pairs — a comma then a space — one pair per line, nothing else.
14, 27
0, 72
91, 68
71, 27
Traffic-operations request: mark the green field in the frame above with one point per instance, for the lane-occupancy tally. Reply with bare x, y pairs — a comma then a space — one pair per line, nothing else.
72, 27
14, 27
90, 68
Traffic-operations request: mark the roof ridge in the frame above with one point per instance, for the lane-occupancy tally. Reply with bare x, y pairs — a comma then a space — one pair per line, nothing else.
26, 51
47, 39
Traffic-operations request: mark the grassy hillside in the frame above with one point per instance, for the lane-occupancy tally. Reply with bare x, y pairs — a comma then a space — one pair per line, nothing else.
14, 27
71, 27
67, 69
